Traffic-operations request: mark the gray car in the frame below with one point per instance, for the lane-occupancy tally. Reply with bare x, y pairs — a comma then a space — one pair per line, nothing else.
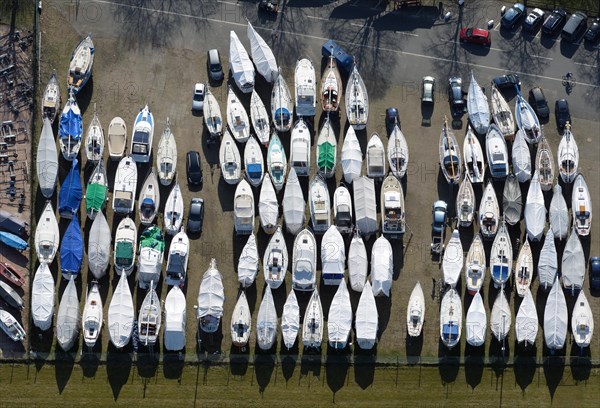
428, 90
195, 216
213, 65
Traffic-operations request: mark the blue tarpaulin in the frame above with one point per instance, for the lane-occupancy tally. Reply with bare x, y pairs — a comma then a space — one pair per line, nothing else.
70, 193
450, 332
12, 240
254, 170
71, 250
70, 124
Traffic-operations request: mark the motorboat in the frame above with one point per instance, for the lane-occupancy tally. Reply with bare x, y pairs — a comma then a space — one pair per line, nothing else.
149, 200
51, 99
121, 314
489, 212
497, 153
290, 320
211, 297
237, 118
248, 263
573, 264
465, 203
71, 250
478, 108
99, 245
397, 152
366, 320
560, 218
450, 162
293, 204
544, 164
331, 86
268, 206
475, 263
254, 162
125, 246
306, 88
11, 326
450, 318
326, 150
125, 186
382, 265
275, 260
175, 318
150, 256
300, 148
96, 192
502, 115
117, 138
357, 100
11, 275
42, 297
94, 140
68, 318
376, 167
241, 322
351, 158
150, 318
476, 322
10, 296
535, 210
47, 235
521, 158
177, 260
70, 193
166, 156
174, 211
266, 321
229, 158
93, 316
339, 319
142, 136
473, 157
524, 269
415, 312
582, 321
320, 206
342, 210
276, 162
393, 211
312, 325
70, 129
547, 266
581, 206
47, 160
333, 257
453, 260
358, 263
304, 261
556, 319
282, 105
365, 206
243, 209
501, 257
512, 200
81, 64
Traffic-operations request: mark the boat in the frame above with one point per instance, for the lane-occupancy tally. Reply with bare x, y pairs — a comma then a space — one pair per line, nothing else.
242, 69
502, 115
489, 212
306, 89
211, 297
449, 155
501, 257
241, 322
555, 319
526, 322
358, 263
497, 153
276, 162
11, 326
304, 261
476, 322
150, 318
51, 99
125, 186
13, 241
393, 212
521, 158
366, 320
262, 55
11, 275
312, 325
327, 150
415, 311
142, 136
177, 260
121, 314
524, 269
266, 321
268, 206
339, 319
473, 156
382, 264
450, 318
10, 296
544, 164
237, 118
500, 320
213, 120
125, 246
175, 316
14, 223
70, 193
293, 204
397, 153
282, 105
94, 140
357, 100
290, 320
535, 210
342, 210
150, 257
333, 256
453, 260
243, 209
70, 129
475, 266
149, 200
560, 218
275, 260
259, 118
527, 120
582, 321
47, 160
166, 156
320, 206
67, 318
174, 211
117, 138
47, 235
254, 162
478, 108
351, 156
581, 206
375, 157
512, 200
248, 263
465, 203
71, 250
92, 316
331, 86
300, 148
99, 245
573, 264
96, 192
229, 157
81, 64
547, 266
365, 207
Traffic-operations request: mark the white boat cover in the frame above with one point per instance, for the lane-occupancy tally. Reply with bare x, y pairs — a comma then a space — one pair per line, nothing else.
521, 158
293, 204
453, 261
582, 321
555, 318
268, 207
47, 160
42, 297
248, 263
339, 320
382, 264
560, 218
290, 320
526, 323
358, 263
67, 319
240, 64
512, 200
500, 320
211, 295
175, 311
573, 263
478, 107
548, 263
351, 156
333, 256
367, 319
99, 246
365, 208
121, 314
476, 321
535, 210
262, 55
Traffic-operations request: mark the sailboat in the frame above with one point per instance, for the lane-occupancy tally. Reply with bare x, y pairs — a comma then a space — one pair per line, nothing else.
527, 120
67, 319
293, 204
149, 200
69, 195
449, 155
229, 158
99, 245
573, 264
475, 265
351, 159
547, 266
382, 264
266, 321
262, 55
213, 120
326, 150
526, 322
70, 129
478, 108
305, 86
339, 319
521, 158
282, 105
237, 118
47, 160
502, 115
524, 269
47, 235
415, 312
555, 319
268, 206
544, 164
560, 219
71, 250
450, 318
248, 263
397, 151
535, 210
166, 156
476, 321
253, 162
358, 263
42, 297
500, 320
174, 211
489, 212
453, 261
92, 316
259, 119
241, 321
211, 297
94, 141
465, 203
320, 206
290, 320
473, 156
312, 326
366, 321
150, 318
331, 86
501, 257
51, 99
121, 314
275, 260
512, 200
240, 65
582, 321
81, 64
357, 100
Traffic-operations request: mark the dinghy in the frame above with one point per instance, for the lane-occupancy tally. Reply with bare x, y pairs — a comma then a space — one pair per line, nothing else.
366, 321
524, 269
358, 263
92, 316
276, 162
51, 99
320, 206
11, 326
67, 319
47, 235
248, 263
478, 108
415, 312
117, 138
293, 204
331, 86
573, 264
268, 207
535, 210
241, 321
11, 275
177, 261
266, 321
150, 257
544, 164
304, 261
253, 162
125, 186
476, 322
453, 261
497, 153
81, 64
473, 156
96, 191
70, 193
10, 296
290, 320
125, 246
581, 206
211, 297
42, 297
275, 260
582, 321
242, 69
282, 105
339, 319
175, 315
502, 115
300, 148
13, 241
150, 318
166, 156
489, 212
397, 152
99, 244
527, 120
70, 129
500, 320
449, 155
382, 264
149, 200
174, 211
229, 158
142, 136
333, 257
375, 157
501, 257
450, 318
555, 319
342, 210
465, 203
237, 118
306, 89
560, 219
327, 150
365, 207
351, 156
262, 55
213, 121
475, 266
94, 140
47, 160
312, 325
121, 314
547, 266
512, 200
526, 322
521, 158
243, 209
392, 207
71, 250
357, 100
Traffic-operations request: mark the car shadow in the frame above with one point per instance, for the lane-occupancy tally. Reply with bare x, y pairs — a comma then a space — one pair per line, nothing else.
475, 49
508, 34
568, 49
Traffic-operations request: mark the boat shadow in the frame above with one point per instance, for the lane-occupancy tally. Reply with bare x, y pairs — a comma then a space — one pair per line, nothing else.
364, 366
413, 347
264, 365
448, 362
63, 368
173, 363
474, 365
580, 362
239, 359
337, 364
90, 361
289, 359
524, 365
118, 368
554, 368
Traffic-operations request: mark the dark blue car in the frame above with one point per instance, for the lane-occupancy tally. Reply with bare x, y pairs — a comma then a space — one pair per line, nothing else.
512, 16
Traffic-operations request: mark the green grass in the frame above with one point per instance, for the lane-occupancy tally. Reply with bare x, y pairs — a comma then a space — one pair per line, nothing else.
591, 7
21, 10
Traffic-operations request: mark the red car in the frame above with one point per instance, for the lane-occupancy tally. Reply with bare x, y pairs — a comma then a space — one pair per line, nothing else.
475, 36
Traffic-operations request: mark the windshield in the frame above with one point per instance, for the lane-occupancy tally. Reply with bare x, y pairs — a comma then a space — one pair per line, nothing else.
195, 213
215, 67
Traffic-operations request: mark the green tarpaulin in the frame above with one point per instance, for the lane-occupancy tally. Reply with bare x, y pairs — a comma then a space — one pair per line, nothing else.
95, 197
326, 159
124, 253
153, 237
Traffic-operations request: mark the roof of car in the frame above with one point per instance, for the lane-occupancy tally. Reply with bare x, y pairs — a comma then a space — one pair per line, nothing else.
480, 31
199, 87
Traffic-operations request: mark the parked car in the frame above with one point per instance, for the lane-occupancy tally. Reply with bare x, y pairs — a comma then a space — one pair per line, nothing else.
439, 214
455, 95
538, 102
534, 20
194, 168
595, 272
512, 16
507, 81
195, 218
392, 117
575, 27
198, 97
475, 35
561, 113
593, 33
554, 21
428, 90
213, 64
344, 61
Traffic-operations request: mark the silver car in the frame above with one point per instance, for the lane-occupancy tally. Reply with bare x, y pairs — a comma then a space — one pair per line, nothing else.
198, 98
428, 89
